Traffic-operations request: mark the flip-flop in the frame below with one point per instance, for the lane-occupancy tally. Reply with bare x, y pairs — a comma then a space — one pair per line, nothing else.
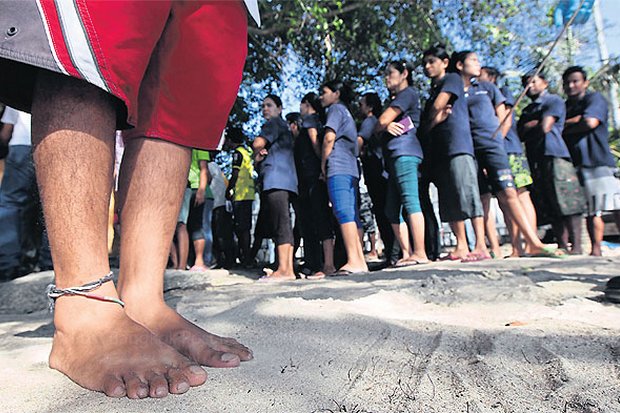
548, 252
471, 257
319, 275
410, 263
272, 279
450, 257
348, 272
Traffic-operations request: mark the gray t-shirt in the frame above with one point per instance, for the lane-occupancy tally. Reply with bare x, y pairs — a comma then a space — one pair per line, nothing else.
277, 170
343, 158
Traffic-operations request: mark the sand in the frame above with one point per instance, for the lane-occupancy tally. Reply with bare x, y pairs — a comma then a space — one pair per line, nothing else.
518, 335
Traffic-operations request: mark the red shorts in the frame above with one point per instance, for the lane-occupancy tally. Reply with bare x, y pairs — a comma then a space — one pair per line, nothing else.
176, 66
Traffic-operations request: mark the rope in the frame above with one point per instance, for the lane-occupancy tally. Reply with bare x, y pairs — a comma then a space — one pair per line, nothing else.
84, 291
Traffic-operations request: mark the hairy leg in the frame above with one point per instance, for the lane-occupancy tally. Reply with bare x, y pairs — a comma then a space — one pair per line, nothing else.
153, 176
95, 343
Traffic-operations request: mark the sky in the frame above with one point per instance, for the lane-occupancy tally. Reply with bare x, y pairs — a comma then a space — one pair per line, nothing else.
611, 18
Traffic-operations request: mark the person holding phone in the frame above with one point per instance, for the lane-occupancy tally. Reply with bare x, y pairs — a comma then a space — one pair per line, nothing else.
273, 152
339, 167
403, 155
449, 145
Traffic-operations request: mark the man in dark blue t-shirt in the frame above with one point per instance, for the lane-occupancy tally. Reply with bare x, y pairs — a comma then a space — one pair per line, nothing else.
587, 138
556, 189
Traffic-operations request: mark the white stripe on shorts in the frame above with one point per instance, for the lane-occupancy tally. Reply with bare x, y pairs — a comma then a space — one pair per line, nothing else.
77, 43
49, 38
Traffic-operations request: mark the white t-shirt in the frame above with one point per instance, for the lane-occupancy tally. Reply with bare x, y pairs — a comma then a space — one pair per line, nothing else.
21, 126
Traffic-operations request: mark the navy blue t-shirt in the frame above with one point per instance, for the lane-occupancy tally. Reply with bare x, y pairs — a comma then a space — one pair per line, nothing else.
372, 142
307, 163
512, 143
552, 144
482, 99
590, 149
407, 144
453, 136
277, 170
343, 158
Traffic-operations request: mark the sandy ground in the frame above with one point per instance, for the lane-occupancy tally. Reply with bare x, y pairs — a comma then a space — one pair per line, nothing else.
520, 335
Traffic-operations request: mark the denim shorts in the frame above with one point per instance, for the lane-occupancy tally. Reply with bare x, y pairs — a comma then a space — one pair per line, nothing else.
343, 194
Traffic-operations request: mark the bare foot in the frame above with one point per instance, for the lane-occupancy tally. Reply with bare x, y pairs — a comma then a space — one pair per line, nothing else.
187, 338
98, 347
596, 250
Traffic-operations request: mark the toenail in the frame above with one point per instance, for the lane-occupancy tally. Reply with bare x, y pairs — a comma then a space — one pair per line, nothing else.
197, 370
182, 387
161, 391
228, 357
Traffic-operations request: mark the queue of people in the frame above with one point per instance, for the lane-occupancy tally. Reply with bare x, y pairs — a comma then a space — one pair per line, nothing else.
328, 168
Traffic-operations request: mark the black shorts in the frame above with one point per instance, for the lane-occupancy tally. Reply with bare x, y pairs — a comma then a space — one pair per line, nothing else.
494, 173
456, 179
243, 215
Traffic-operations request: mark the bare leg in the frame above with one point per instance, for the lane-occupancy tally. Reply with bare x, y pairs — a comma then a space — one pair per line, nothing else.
95, 343
372, 236
596, 228
153, 176
481, 247
574, 225
530, 211
285, 262
511, 202
199, 248
183, 245
489, 225
355, 255
462, 249
416, 223
401, 233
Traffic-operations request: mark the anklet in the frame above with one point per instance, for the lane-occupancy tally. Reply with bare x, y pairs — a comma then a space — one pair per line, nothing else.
53, 293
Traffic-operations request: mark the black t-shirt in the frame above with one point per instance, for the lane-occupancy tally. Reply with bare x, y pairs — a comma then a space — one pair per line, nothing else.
307, 163
590, 149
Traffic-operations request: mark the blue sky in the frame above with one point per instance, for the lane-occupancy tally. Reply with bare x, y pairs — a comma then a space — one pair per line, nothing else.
611, 17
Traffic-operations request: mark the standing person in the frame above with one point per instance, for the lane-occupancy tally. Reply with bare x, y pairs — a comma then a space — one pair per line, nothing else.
153, 71
449, 146
587, 137
241, 191
201, 198
19, 201
556, 186
519, 166
340, 169
403, 154
273, 150
221, 221
486, 107
314, 212
374, 170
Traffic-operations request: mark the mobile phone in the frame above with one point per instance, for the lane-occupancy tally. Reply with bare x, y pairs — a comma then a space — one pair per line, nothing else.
407, 123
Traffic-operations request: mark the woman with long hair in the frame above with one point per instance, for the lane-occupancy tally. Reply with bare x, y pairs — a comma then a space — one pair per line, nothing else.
273, 153
445, 127
315, 215
340, 169
403, 154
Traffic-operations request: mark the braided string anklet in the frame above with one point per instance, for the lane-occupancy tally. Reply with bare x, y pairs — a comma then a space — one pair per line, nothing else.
53, 293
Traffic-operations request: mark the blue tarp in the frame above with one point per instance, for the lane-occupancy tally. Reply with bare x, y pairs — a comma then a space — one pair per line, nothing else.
565, 9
